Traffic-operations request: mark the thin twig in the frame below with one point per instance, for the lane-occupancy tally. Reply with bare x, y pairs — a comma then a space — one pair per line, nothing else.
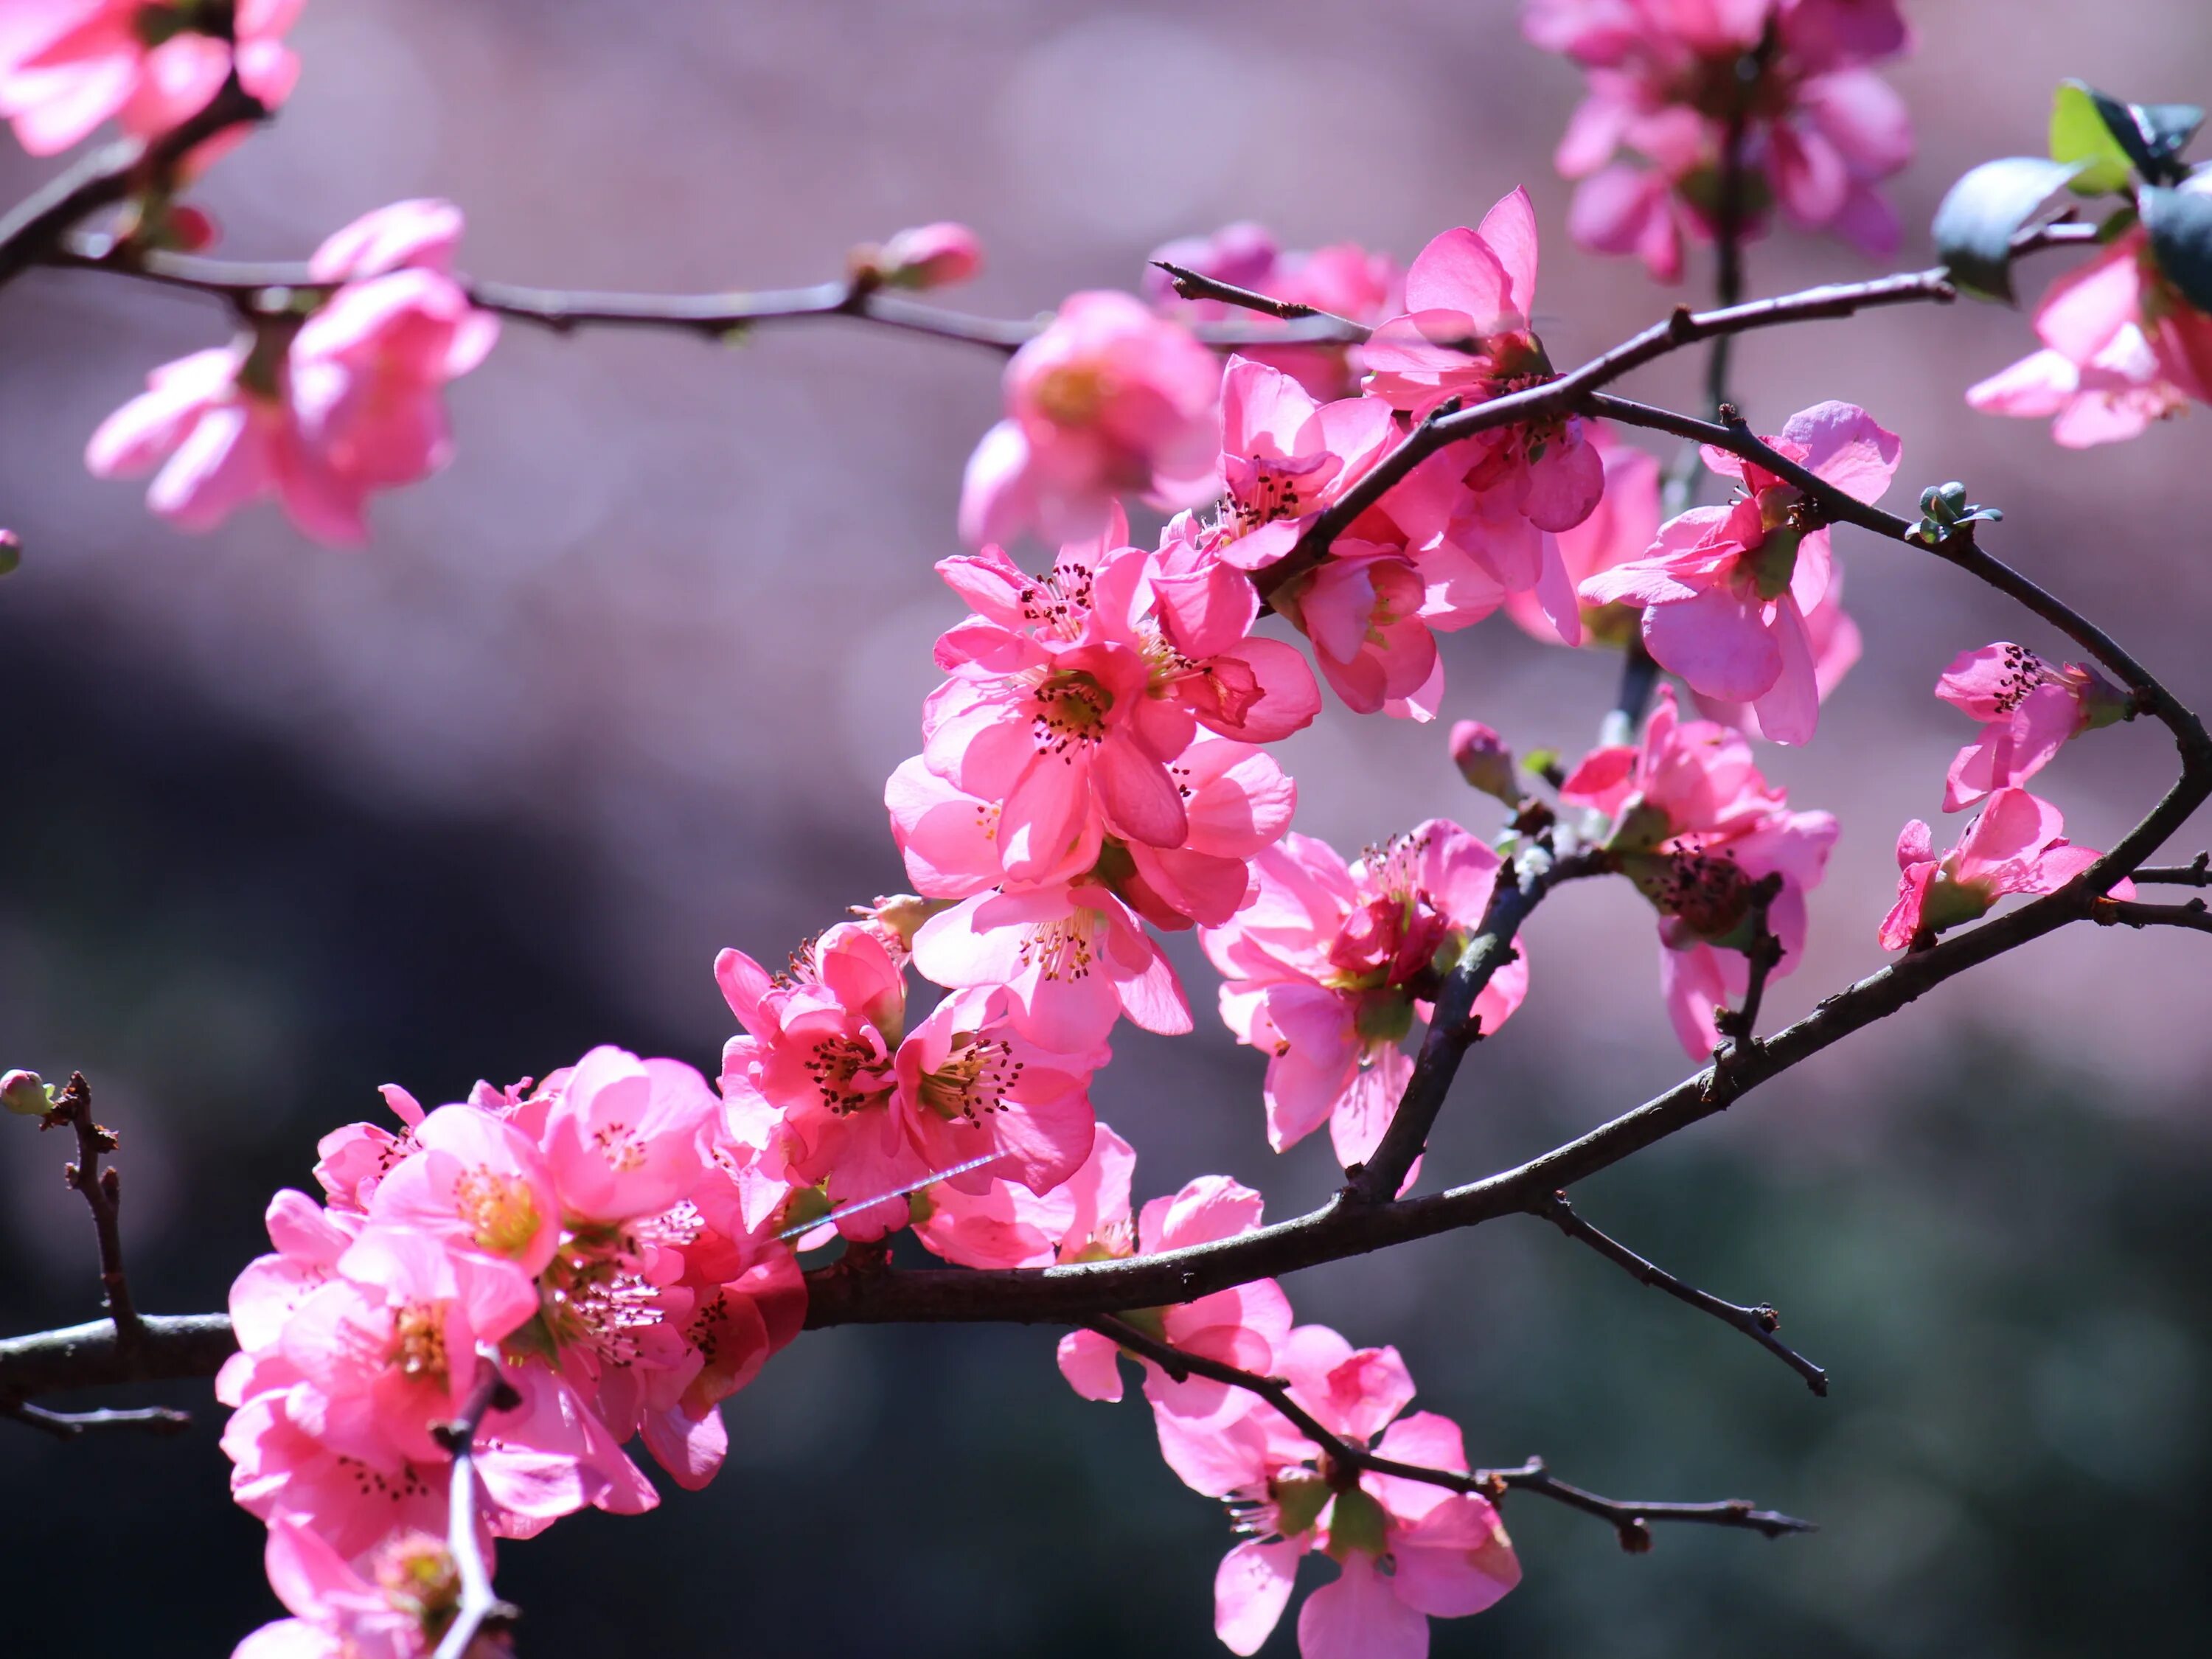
2197, 872
1740, 1026
1758, 1324
103, 1192
479, 1606
713, 316
1196, 285
2128, 913
1628, 1518
70, 1426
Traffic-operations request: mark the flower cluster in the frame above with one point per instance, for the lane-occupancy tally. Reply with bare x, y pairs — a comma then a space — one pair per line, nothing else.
1671, 80
604, 1240
317, 408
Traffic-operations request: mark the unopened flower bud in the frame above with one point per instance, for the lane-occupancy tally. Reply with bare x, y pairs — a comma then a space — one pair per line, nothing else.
11, 552
930, 256
1483, 761
25, 1094
186, 230
901, 915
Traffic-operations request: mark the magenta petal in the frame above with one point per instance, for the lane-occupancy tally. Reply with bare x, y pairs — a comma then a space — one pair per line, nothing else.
1715, 641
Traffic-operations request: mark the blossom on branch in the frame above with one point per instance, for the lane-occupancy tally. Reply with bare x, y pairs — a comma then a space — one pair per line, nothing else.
2016, 844
1726, 590
2028, 710
1328, 967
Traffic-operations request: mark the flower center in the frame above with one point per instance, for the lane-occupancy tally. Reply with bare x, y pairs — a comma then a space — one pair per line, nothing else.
974, 1080
1060, 949
418, 1343
1071, 710
500, 1211
1072, 394
848, 1071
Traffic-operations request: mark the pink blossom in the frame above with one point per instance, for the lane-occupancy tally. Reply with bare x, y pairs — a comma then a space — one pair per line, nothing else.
2016, 844
67, 65
1328, 967
1835, 642
1286, 458
934, 255
353, 1160
1072, 956
1240, 1326
1343, 278
1086, 1218
1820, 131
319, 413
226, 423
1726, 589
1109, 400
624, 1137
2028, 710
395, 1609
810, 1079
2122, 348
1362, 610
1696, 826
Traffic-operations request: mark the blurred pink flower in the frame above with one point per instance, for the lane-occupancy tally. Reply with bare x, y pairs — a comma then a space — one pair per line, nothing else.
67, 65
1109, 400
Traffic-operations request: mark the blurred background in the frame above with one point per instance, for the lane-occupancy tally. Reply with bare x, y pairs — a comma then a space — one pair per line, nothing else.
621, 688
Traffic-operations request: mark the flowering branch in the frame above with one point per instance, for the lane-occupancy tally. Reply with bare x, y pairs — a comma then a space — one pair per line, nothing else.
479, 1607
1339, 1453
1759, 1323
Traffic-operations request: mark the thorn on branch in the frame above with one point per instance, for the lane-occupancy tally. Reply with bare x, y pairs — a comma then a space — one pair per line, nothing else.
1759, 1323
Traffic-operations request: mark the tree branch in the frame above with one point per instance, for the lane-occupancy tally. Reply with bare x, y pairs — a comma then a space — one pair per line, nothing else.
1628, 1518
480, 1607
714, 316
1758, 1324
2197, 872
70, 1426
1196, 285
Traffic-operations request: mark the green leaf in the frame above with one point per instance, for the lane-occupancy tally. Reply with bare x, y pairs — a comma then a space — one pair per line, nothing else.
2079, 133
1975, 226
2180, 226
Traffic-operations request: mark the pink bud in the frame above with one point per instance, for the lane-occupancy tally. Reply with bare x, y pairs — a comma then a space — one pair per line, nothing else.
25, 1094
931, 256
1483, 761
11, 552
188, 229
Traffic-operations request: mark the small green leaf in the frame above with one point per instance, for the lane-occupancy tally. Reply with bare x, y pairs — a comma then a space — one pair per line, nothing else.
1975, 226
2180, 226
2079, 133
